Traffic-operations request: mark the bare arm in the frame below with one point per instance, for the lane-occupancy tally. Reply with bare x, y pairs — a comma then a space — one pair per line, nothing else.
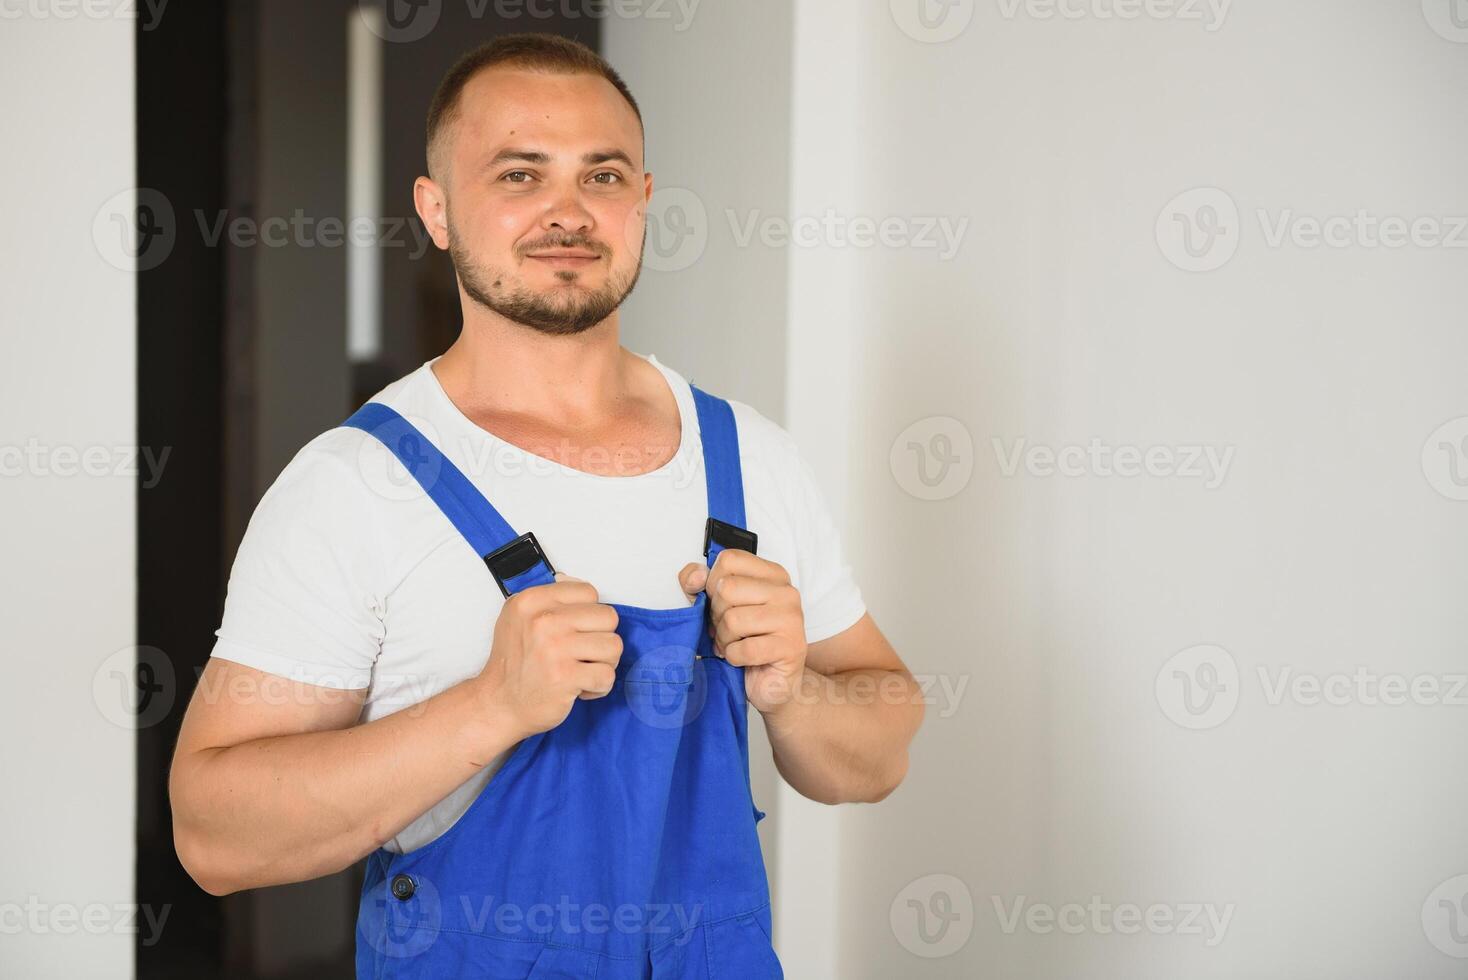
844, 737
271, 784
273, 781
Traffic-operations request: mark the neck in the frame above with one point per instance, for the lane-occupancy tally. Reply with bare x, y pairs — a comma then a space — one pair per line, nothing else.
498, 366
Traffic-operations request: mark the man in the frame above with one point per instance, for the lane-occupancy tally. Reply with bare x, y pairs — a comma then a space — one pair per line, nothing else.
371, 677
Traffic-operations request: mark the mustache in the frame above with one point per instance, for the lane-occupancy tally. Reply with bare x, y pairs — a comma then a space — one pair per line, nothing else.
565, 241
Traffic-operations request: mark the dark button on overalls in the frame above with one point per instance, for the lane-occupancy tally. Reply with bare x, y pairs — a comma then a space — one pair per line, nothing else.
619, 845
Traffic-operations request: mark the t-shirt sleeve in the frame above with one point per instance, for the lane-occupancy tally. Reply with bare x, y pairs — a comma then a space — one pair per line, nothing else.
831, 600
304, 597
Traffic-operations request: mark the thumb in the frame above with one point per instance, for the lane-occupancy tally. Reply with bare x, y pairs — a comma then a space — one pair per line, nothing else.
693, 577
563, 577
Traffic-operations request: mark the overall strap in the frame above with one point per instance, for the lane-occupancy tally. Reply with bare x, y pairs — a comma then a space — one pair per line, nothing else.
515, 561
720, 438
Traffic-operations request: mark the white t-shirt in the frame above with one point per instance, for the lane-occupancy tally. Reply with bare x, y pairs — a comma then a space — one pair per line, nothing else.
349, 576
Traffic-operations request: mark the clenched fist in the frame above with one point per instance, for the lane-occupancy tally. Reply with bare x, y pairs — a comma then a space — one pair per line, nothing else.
756, 621
552, 645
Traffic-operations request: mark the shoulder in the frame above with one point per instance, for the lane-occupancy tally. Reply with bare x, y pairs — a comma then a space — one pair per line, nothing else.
772, 464
768, 454
321, 500
762, 440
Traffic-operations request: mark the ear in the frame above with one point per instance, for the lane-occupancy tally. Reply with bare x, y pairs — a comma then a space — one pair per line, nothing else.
432, 205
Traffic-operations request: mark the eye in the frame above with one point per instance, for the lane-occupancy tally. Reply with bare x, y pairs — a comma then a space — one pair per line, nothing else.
616, 177
516, 173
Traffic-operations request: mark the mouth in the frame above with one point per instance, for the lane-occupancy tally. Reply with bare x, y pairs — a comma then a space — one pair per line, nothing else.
565, 259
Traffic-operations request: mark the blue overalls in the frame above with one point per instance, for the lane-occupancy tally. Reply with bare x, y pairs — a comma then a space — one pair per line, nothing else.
619, 845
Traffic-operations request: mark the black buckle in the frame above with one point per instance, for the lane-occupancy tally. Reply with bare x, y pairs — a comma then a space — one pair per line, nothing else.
727, 535
516, 558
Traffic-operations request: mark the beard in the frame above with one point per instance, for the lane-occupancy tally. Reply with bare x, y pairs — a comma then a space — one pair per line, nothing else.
561, 311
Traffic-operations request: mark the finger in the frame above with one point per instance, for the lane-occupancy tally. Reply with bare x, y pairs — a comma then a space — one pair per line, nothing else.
588, 617
595, 648
569, 588
737, 622
559, 624
716, 574
753, 651
733, 562
746, 590
693, 578
594, 680
739, 562
559, 592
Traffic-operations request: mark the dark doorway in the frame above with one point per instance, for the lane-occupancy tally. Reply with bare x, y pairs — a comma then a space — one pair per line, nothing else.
242, 115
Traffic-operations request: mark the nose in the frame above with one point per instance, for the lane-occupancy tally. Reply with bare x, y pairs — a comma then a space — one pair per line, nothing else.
568, 216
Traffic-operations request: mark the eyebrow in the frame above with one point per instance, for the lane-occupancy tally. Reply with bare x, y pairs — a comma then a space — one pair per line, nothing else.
512, 155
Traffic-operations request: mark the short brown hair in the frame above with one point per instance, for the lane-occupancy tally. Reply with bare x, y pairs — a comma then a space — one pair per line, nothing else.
536, 52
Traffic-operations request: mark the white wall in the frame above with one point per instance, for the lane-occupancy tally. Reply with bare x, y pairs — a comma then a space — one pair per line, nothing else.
1330, 835
1060, 598
67, 579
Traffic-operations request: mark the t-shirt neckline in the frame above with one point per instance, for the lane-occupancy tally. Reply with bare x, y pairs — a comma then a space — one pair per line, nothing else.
685, 428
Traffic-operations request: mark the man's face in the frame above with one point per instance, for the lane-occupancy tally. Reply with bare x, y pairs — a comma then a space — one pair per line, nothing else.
546, 197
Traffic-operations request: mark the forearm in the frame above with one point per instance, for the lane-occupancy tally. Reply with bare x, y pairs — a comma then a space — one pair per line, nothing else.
843, 737
295, 807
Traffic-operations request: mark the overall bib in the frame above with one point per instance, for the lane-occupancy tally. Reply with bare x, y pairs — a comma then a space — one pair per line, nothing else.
620, 845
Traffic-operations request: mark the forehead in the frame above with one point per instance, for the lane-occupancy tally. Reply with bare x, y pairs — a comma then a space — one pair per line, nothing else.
558, 114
